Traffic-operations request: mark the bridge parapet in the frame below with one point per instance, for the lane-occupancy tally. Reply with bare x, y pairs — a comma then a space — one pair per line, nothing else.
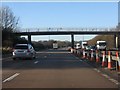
66, 29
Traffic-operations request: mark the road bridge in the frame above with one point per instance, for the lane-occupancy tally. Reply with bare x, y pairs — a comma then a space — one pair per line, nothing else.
70, 31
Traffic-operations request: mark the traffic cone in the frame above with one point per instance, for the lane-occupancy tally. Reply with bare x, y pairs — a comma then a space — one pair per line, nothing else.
78, 52
75, 51
91, 55
109, 61
87, 54
83, 53
118, 60
103, 59
71, 50
97, 57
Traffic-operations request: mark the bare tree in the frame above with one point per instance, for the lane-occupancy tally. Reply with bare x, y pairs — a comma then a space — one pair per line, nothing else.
8, 25
7, 19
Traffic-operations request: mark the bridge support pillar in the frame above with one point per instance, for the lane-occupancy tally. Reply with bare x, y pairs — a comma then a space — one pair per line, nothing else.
72, 41
29, 38
117, 41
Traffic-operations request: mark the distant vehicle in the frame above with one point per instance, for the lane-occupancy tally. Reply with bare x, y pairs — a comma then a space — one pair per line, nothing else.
101, 45
77, 46
91, 48
23, 51
84, 44
88, 48
55, 45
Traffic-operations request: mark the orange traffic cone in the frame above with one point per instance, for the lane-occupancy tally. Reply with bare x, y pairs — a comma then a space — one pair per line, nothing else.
78, 52
83, 53
71, 50
97, 57
118, 60
91, 55
87, 54
109, 61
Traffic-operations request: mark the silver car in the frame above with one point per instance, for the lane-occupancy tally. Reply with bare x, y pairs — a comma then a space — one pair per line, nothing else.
23, 51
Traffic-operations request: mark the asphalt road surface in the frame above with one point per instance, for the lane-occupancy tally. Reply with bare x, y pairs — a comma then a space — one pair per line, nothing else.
52, 69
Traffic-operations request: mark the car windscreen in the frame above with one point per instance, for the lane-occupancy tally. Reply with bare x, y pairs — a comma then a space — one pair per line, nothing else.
21, 47
85, 44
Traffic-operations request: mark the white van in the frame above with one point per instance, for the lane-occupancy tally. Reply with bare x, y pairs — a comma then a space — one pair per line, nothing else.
101, 45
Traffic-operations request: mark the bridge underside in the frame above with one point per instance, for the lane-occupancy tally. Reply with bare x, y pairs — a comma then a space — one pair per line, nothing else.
68, 33
72, 33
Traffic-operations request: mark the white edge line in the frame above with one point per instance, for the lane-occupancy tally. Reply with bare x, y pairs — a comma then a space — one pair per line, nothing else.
11, 77
109, 78
114, 81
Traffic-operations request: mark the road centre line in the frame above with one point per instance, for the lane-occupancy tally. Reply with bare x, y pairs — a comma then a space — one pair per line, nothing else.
11, 77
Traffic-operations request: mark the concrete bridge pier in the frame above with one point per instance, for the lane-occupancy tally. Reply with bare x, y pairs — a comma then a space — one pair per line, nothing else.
72, 41
117, 41
29, 38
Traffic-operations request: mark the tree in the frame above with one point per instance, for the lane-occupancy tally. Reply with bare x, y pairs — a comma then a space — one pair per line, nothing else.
8, 25
7, 19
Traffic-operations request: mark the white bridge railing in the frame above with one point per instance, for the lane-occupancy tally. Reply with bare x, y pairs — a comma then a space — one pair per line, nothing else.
66, 29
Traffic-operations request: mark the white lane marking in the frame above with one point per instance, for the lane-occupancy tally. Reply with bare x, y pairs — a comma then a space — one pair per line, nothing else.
36, 62
12, 77
76, 58
106, 76
96, 69
114, 81
111, 79
45, 56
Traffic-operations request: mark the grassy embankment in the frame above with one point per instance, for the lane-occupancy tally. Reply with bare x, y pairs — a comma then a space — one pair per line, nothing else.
108, 38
